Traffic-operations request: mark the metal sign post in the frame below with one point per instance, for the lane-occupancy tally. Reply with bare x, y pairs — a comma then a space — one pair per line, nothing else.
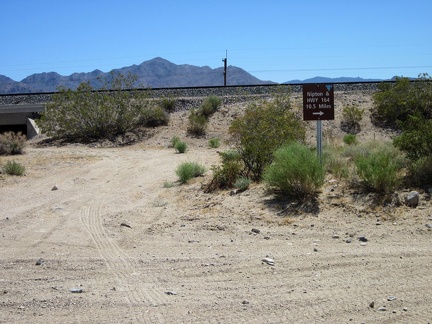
318, 104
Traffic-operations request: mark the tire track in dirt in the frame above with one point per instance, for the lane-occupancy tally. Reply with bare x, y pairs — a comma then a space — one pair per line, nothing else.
124, 267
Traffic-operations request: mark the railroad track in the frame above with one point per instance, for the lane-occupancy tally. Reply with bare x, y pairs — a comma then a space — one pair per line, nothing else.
196, 92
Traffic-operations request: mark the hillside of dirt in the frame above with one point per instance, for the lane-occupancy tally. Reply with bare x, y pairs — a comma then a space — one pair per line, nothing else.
99, 234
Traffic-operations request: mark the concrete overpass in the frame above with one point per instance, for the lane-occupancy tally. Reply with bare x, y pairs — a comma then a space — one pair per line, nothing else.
20, 117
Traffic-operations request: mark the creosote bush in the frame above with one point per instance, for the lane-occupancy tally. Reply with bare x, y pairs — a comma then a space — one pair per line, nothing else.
395, 102
12, 143
210, 106
189, 170
296, 171
168, 104
13, 168
351, 117
197, 123
154, 117
199, 118
225, 175
264, 128
86, 115
174, 140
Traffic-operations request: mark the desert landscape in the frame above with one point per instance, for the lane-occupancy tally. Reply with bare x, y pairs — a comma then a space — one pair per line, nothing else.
102, 234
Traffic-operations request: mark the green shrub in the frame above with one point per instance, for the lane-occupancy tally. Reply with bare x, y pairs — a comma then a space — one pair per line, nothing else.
214, 142
189, 170
210, 106
174, 140
335, 163
351, 117
416, 138
12, 143
168, 104
197, 123
420, 171
296, 171
225, 175
242, 183
264, 128
180, 147
379, 167
87, 115
13, 168
154, 117
350, 139
395, 102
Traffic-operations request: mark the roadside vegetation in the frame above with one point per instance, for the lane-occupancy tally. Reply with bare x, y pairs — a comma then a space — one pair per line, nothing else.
13, 168
269, 141
86, 115
12, 143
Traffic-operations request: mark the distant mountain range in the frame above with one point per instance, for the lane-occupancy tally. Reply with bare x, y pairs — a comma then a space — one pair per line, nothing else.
319, 79
155, 73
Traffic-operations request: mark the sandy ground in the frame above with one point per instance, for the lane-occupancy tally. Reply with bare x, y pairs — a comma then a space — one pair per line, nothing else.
191, 257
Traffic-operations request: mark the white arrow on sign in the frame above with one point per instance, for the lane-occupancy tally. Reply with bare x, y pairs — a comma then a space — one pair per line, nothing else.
318, 113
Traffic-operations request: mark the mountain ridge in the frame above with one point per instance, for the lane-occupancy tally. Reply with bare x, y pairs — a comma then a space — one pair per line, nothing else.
154, 73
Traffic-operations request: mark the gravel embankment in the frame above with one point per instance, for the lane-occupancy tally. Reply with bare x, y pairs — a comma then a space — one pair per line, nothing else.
191, 97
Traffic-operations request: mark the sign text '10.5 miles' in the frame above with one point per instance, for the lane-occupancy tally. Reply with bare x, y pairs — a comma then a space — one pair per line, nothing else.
318, 101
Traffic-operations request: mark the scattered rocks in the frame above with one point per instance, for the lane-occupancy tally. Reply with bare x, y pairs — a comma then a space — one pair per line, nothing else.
40, 261
245, 302
268, 261
76, 290
412, 199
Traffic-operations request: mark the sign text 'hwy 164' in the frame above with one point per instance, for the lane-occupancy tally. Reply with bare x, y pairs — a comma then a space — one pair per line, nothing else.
318, 101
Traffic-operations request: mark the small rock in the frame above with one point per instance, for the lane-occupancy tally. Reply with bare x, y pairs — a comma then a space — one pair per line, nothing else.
382, 309
412, 199
255, 230
125, 225
40, 261
429, 225
315, 250
348, 240
268, 261
245, 302
54, 188
372, 304
405, 309
266, 237
76, 290
362, 239
171, 293
363, 243
335, 236
391, 298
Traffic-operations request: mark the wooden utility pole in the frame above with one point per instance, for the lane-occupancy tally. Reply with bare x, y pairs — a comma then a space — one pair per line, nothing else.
225, 67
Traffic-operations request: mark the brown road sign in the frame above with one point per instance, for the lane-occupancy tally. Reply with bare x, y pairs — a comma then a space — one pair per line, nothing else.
318, 101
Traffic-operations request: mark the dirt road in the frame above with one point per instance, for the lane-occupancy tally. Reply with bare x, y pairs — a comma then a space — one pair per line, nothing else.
122, 242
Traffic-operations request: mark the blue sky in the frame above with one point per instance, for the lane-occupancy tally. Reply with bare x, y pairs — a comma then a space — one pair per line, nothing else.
276, 40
